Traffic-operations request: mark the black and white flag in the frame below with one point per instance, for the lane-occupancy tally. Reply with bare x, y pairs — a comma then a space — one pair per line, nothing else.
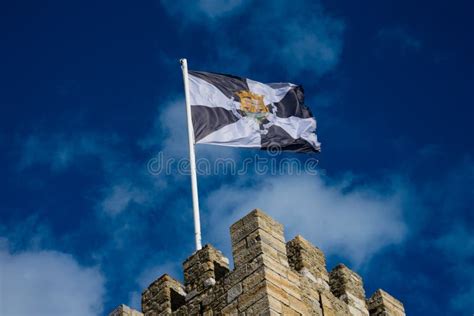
239, 112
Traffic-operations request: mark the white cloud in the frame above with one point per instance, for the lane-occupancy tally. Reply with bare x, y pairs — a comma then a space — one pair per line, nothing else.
351, 222
47, 283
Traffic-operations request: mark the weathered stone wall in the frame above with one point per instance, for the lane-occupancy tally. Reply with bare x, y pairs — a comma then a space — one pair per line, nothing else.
270, 277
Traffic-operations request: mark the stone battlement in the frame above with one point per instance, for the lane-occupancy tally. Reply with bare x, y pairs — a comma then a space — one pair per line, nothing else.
270, 277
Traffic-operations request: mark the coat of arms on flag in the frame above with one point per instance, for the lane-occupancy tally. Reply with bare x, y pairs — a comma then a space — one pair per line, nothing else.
233, 111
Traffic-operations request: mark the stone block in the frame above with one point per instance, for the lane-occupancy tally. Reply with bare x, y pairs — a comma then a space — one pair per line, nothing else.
348, 286
204, 268
303, 256
163, 295
383, 304
234, 292
255, 234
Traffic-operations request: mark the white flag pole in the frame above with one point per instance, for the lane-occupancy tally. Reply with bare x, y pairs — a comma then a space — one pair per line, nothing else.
192, 156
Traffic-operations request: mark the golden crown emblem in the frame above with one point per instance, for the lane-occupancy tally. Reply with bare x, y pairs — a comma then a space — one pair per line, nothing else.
251, 102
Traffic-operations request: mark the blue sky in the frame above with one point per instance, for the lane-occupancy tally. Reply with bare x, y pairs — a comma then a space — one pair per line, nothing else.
90, 91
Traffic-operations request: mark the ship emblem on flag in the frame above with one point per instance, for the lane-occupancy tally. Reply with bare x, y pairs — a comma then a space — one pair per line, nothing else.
233, 111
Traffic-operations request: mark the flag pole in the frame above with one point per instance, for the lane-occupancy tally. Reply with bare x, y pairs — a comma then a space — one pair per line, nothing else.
192, 156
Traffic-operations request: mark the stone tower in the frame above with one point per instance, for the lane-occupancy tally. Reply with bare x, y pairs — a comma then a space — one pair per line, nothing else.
270, 277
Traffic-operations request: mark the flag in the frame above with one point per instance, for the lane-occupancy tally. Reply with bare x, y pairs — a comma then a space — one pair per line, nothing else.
239, 112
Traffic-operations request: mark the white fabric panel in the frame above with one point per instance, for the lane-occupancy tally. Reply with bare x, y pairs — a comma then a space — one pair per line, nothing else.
299, 128
243, 133
202, 92
270, 94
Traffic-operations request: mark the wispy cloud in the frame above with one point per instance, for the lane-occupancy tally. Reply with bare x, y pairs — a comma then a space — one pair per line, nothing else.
458, 243
352, 221
120, 196
60, 151
458, 246
399, 39
306, 38
201, 9
48, 283
295, 37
